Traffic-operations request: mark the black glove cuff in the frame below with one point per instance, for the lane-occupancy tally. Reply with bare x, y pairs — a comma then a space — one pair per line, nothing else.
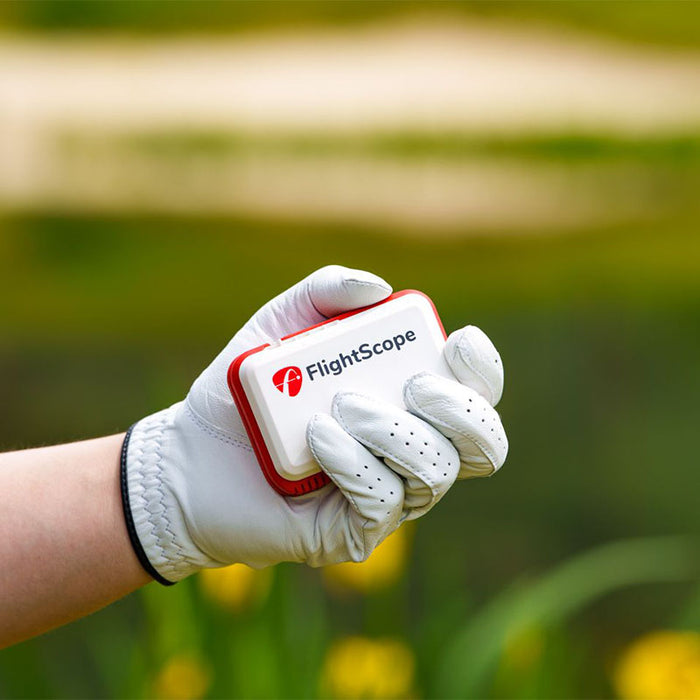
130, 527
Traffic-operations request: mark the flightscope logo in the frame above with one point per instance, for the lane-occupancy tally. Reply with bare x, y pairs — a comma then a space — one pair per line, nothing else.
287, 380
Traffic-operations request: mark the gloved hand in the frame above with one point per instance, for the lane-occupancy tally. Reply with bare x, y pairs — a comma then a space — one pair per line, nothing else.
195, 496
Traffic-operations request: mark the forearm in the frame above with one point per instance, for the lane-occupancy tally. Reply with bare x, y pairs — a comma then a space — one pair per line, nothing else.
64, 548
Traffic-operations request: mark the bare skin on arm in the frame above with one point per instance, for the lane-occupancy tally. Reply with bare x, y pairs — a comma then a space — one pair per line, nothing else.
64, 547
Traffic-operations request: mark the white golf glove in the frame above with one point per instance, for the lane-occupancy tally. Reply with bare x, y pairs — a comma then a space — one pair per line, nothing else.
194, 495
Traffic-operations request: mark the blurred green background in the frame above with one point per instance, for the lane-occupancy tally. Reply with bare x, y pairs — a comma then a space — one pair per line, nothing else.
134, 240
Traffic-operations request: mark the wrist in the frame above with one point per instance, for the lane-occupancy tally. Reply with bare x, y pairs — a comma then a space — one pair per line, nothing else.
154, 518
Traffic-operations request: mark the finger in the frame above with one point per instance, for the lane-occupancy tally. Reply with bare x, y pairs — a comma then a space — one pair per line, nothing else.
475, 361
426, 460
373, 491
463, 416
334, 289
326, 292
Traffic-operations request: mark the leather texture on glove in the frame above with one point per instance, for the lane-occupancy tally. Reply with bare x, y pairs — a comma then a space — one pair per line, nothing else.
197, 495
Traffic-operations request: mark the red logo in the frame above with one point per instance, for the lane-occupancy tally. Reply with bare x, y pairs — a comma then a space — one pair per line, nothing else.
288, 380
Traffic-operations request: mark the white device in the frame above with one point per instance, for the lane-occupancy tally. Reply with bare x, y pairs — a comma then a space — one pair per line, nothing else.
279, 386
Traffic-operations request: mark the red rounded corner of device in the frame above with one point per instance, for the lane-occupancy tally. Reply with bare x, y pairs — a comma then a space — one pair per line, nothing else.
288, 487
427, 298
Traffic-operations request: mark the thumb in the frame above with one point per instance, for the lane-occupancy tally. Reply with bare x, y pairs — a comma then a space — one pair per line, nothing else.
326, 292
334, 289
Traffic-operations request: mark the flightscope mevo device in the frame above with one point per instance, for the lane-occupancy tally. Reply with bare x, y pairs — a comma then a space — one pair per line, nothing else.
279, 386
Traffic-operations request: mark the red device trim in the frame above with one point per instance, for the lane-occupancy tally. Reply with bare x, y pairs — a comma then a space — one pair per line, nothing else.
288, 487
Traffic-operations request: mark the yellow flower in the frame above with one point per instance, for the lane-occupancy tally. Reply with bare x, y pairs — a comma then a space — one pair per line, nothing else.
234, 587
358, 667
660, 666
184, 677
382, 569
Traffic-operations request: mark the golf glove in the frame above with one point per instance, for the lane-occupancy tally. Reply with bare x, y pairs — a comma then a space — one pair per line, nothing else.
194, 495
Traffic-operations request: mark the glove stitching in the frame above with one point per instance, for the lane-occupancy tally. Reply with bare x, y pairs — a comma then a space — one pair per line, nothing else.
351, 280
364, 283
349, 496
214, 432
161, 492
313, 304
153, 433
469, 436
422, 474
140, 459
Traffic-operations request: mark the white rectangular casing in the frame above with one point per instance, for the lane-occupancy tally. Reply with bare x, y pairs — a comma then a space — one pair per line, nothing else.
373, 351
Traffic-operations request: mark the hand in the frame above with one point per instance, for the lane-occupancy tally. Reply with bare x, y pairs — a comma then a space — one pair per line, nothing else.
195, 496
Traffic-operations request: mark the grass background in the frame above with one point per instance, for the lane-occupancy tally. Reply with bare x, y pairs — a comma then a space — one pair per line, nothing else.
108, 318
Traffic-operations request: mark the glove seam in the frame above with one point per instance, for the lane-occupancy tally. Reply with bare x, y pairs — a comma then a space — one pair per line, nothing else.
487, 453
347, 280
313, 303
214, 432
129, 520
161, 501
148, 474
470, 436
469, 362
423, 474
363, 283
